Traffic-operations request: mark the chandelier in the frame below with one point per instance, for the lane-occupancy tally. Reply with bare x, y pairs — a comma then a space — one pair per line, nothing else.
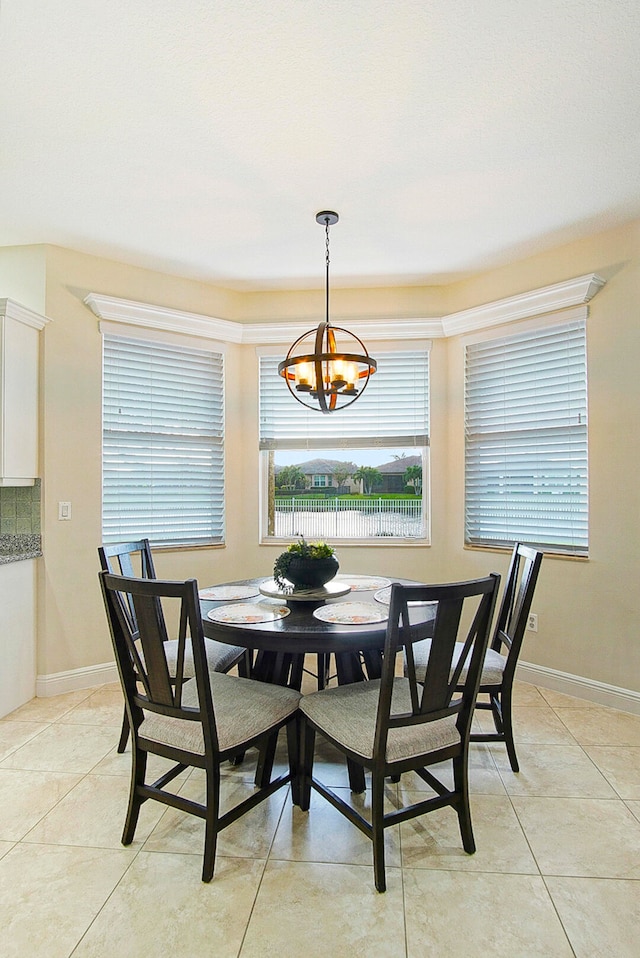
327, 368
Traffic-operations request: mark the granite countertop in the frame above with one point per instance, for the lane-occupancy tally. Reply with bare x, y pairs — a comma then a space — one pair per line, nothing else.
13, 548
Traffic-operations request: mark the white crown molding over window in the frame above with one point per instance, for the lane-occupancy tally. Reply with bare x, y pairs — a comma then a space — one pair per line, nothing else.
12, 310
547, 299
162, 317
571, 292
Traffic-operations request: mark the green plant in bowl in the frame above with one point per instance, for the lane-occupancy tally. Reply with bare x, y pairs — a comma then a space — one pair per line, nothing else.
305, 565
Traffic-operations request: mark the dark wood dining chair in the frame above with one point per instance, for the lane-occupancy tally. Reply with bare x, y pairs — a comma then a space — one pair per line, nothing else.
499, 667
396, 724
200, 720
136, 559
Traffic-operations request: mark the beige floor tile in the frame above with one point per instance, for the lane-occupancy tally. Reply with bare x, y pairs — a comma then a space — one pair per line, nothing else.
331, 910
620, 766
602, 726
324, 835
433, 840
161, 907
562, 700
26, 796
69, 748
451, 914
581, 837
526, 695
540, 726
554, 770
48, 708
634, 808
104, 707
119, 763
248, 837
6, 847
93, 814
15, 734
600, 916
483, 774
49, 894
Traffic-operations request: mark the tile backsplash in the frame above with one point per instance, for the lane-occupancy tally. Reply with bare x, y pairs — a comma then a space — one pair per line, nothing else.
20, 509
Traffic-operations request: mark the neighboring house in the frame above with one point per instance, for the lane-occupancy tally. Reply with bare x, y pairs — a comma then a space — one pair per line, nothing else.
393, 473
326, 473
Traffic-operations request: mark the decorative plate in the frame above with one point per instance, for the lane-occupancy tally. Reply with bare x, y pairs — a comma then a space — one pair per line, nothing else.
350, 613
331, 590
228, 592
363, 583
245, 614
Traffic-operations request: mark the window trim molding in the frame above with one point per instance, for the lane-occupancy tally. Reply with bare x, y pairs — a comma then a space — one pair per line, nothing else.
545, 299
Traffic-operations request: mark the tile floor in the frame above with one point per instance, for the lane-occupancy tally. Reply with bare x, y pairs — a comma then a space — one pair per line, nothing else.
556, 873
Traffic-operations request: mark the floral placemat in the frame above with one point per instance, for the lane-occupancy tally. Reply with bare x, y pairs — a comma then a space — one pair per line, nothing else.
363, 583
228, 592
350, 613
245, 613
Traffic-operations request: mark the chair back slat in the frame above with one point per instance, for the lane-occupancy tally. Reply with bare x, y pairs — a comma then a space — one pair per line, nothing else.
437, 689
152, 636
434, 696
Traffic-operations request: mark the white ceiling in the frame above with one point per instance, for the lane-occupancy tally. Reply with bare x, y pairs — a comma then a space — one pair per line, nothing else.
200, 137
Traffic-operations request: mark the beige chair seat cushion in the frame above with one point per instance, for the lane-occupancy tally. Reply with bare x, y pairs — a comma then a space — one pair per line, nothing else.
220, 656
243, 710
348, 715
492, 669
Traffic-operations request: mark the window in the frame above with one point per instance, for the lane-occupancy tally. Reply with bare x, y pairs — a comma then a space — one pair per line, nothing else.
526, 440
163, 432
362, 452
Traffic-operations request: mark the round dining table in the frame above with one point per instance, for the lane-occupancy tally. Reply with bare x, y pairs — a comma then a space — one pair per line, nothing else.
279, 643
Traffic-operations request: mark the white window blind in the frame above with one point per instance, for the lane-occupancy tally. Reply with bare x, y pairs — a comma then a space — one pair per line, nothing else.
392, 411
163, 436
526, 440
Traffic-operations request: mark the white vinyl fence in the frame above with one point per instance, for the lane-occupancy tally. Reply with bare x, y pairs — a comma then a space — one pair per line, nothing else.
348, 518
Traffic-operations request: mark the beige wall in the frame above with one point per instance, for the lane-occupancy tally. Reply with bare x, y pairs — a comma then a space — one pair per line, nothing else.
588, 618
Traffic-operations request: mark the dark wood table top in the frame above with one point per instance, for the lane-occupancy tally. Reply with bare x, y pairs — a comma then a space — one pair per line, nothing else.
301, 632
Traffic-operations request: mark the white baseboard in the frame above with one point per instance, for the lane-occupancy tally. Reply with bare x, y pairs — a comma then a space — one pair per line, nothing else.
593, 691
85, 678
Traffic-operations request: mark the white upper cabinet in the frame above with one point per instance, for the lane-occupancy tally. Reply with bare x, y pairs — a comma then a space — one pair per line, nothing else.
19, 375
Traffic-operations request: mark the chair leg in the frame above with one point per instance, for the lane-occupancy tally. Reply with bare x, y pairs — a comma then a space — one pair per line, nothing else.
211, 822
307, 739
293, 749
507, 727
138, 773
377, 822
124, 734
266, 756
461, 786
245, 664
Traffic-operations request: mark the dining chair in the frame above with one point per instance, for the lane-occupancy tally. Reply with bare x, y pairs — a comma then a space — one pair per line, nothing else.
499, 667
396, 724
198, 721
136, 558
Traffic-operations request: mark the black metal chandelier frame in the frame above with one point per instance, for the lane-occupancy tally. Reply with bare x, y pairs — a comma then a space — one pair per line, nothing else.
332, 378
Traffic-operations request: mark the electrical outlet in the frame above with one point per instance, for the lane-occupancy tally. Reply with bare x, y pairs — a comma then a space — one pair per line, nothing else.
532, 622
